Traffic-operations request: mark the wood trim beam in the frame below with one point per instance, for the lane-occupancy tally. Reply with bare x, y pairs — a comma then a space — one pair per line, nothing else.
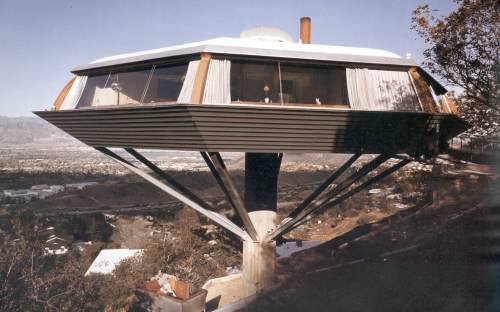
62, 95
423, 91
416, 93
451, 105
200, 79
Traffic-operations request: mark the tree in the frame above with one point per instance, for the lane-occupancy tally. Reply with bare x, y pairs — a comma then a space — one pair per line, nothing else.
464, 51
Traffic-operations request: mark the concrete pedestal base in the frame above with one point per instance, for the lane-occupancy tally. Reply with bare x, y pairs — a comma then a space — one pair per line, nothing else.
259, 257
259, 262
224, 290
258, 269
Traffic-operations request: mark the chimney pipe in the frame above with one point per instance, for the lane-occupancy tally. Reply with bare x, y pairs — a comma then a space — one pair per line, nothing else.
305, 30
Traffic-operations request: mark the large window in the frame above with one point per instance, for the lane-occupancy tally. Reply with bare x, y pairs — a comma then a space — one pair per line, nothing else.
314, 85
255, 82
166, 83
148, 85
115, 88
288, 83
93, 83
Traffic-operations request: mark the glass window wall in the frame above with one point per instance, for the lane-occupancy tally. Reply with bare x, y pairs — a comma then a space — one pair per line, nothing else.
284, 83
148, 85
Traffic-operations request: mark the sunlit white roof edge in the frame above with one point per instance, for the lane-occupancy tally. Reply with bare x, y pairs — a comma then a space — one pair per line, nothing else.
260, 44
257, 48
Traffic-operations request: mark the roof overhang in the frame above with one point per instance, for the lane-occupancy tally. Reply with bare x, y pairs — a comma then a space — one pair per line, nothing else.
242, 47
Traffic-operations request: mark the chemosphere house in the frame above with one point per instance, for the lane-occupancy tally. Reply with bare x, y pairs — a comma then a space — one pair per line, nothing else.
264, 95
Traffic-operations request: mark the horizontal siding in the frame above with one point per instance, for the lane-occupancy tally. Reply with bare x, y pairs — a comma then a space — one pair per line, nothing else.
251, 128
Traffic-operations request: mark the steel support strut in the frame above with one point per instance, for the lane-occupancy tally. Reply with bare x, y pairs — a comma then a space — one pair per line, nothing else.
358, 188
324, 185
221, 175
162, 174
295, 218
177, 193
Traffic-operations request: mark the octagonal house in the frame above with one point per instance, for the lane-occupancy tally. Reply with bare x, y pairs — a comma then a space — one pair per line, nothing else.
263, 95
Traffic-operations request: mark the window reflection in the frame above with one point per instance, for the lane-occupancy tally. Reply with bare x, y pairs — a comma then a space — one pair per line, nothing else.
115, 88
166, 83
93, 83
148, 85
124, 88
300, 84
251, 81
314, 85
254, 82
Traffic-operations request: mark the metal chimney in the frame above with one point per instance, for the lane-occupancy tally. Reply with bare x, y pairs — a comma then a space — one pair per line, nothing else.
305, 30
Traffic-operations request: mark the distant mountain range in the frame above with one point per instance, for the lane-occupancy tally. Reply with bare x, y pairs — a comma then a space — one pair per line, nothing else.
29, 130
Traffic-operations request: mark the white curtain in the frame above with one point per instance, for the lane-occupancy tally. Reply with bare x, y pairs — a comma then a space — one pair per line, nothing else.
358, 88
381, 90
105, 97
74, 93
187, 86
218, 84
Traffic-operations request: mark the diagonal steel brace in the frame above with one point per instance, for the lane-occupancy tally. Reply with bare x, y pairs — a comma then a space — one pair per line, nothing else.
324, 185
221, 175
297, 217
214, 216
172, 181
358, 188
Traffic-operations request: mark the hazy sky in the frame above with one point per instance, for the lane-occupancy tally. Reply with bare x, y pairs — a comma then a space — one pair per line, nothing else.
42, 40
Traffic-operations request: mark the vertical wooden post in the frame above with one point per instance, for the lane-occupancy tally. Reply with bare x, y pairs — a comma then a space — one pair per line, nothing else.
200, 79
423, 91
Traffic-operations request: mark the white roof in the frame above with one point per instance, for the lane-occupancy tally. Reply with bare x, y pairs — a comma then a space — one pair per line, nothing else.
255, 47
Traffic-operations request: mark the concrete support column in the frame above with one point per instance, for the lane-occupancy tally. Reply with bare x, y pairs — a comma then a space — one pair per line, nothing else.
259, 257
261, 181
261, 194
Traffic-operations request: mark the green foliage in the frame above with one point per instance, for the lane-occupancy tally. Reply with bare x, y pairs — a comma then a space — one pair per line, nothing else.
464, 51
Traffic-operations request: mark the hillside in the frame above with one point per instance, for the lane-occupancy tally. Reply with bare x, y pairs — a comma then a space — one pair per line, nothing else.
29, 130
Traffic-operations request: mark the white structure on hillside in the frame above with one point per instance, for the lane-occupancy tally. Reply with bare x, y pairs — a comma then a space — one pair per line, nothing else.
109, 259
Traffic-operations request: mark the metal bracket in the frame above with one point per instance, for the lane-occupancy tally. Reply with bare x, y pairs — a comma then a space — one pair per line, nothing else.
176, 193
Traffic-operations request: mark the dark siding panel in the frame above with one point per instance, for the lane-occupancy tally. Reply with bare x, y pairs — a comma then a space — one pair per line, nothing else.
250, 128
